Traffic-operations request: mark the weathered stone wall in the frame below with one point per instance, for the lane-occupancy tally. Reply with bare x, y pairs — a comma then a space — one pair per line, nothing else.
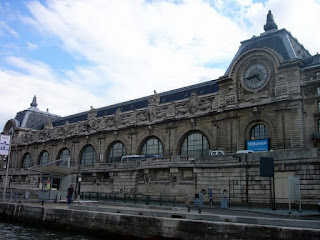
148, 226
183, 177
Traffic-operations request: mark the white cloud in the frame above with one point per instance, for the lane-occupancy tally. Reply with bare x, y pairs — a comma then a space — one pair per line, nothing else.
18, 89
135, 47
31, 45
5, 29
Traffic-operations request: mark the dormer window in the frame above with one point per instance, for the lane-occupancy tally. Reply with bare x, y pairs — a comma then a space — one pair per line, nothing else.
318, 90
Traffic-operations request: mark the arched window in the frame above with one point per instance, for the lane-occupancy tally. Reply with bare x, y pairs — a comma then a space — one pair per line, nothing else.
152, 146
116, 151
64, 157
44, 158
26, 160
195, 144
88, 155
259, 131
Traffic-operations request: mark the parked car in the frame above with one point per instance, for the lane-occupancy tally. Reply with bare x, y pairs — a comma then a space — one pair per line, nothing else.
244, 151
216, 152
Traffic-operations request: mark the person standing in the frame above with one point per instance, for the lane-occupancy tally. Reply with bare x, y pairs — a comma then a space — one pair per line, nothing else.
70, 193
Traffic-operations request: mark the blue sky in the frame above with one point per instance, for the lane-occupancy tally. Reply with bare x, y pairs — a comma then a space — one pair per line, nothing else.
73, 54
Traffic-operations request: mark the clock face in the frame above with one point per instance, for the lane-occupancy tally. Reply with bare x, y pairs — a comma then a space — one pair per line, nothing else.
255, 76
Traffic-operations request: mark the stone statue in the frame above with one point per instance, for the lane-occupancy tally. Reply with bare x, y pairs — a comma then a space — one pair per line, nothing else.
270, 24
92, 113
193, 103
117, 117
155, 99
66, 127
151, 113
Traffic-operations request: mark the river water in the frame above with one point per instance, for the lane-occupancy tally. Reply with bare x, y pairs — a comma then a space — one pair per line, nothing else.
19, 231
9, 231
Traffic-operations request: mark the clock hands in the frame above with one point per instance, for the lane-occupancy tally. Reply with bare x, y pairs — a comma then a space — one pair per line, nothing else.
253, 76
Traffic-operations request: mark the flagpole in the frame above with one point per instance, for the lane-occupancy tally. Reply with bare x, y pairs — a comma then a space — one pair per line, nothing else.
7, 173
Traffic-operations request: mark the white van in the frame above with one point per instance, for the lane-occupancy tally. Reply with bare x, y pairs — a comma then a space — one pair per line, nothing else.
129, 158
244, 151
216, 152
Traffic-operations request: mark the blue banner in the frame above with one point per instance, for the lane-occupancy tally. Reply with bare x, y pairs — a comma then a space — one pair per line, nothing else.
258, 145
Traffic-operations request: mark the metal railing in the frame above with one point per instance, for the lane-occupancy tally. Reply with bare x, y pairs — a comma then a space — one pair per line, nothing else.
147, 199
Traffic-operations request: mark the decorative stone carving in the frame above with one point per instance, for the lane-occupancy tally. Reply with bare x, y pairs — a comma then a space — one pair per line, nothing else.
92, 114
117, 117
133, 118
74, 129
102, 124
193, 103
110, 122
171, 111
152, 109
230, 99
151, 113
49, 124
193, 123
214, 104
281, 89
60, 132
256, 113
183, 109
48, 129
41, 136
66, 127
161, 115
93, 124
142, 117
82, 128
155, 99
204, 106
150, 129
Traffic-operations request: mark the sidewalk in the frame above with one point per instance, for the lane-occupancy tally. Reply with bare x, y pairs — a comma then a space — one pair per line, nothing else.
240, 210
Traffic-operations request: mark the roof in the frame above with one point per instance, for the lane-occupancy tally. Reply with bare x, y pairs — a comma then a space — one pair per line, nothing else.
165, 97
33, 118
280, 41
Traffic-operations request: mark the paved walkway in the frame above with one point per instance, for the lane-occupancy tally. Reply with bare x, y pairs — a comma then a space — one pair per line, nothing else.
215, 209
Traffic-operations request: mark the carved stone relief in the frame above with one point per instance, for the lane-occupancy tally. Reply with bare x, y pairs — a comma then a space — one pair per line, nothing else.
193, 103
117, 118
281, 89
133, 118
171, 111
214, 104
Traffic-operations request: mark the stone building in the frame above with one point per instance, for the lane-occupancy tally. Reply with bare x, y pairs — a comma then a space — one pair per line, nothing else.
270, 91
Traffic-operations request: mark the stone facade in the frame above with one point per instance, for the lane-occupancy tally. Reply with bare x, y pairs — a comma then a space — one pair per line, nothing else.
276, 87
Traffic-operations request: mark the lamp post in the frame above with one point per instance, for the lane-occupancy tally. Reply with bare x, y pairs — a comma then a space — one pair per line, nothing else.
79, 186
5, 148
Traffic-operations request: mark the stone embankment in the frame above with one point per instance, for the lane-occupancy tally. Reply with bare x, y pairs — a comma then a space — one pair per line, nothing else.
159, 224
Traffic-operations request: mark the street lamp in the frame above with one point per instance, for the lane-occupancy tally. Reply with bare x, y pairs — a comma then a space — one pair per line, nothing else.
79, 186
5, 148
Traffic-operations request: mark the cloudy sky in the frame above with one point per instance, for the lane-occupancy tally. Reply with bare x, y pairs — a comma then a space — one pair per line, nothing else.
73, 54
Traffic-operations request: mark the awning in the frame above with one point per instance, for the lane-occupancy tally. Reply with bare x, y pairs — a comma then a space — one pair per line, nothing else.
55, 170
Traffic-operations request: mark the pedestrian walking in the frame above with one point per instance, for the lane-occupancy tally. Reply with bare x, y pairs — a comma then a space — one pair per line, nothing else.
70, 193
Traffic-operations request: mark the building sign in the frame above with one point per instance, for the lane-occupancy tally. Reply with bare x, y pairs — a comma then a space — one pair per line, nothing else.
266, 167
4, 144
258, 145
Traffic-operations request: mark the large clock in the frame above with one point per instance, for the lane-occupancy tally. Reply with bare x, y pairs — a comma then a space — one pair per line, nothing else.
255, 76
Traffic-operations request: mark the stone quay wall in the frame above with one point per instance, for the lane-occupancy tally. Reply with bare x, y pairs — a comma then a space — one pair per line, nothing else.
139, 226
